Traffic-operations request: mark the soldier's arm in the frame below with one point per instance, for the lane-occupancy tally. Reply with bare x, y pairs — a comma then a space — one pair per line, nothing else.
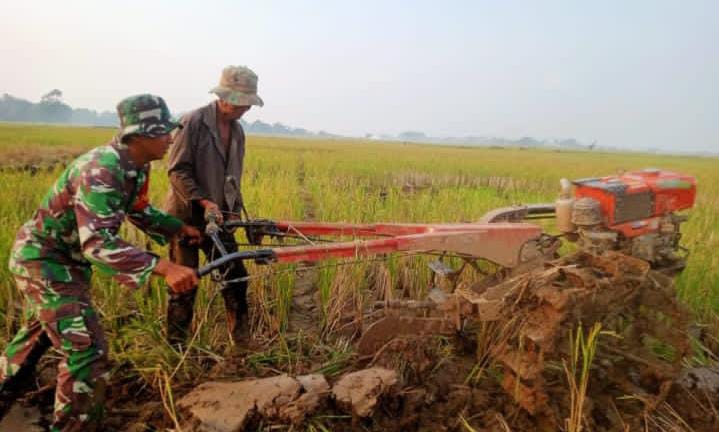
181, 164
157, 224
99, 213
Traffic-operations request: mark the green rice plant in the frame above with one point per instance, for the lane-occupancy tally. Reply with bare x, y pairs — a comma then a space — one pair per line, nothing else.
281, 356
582, 350
168, 399
465, 424
339, 357
345, 300
490, 335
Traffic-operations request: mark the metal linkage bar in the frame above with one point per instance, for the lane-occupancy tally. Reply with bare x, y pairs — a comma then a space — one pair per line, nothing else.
497, 242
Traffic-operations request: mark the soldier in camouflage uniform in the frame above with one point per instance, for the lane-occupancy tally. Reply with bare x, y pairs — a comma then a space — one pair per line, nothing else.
75, 228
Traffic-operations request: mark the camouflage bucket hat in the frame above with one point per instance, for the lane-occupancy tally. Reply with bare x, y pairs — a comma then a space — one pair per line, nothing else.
238, 86
145, 114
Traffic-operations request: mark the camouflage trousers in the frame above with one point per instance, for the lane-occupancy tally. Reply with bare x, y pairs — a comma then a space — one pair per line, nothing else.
180, 306
61, 315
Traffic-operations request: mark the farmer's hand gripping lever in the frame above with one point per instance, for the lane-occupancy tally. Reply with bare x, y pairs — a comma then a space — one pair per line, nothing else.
212, 230
255, 230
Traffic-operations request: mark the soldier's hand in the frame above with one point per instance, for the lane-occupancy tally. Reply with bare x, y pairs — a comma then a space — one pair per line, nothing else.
212, 210
191, 234
180, 278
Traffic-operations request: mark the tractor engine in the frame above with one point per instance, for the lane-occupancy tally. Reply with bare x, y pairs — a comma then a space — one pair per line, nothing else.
635, 213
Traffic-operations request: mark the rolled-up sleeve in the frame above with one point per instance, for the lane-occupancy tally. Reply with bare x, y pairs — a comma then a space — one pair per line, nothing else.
99, 213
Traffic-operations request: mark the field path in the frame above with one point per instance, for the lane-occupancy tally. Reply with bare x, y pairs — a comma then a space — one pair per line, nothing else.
304, 314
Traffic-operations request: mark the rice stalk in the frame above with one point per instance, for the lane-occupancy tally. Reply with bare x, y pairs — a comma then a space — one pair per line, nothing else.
582, 349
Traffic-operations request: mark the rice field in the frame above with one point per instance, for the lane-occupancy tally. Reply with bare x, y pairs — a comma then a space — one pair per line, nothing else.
326, 180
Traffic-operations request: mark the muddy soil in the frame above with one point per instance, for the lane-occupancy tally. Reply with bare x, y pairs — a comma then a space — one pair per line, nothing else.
22, 419
518, 378
514, 380
438, 397
434, 390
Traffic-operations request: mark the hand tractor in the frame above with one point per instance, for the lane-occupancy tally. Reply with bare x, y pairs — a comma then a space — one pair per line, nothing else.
620, 238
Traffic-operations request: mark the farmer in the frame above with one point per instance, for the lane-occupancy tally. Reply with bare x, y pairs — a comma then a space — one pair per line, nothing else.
76, 227
205, 169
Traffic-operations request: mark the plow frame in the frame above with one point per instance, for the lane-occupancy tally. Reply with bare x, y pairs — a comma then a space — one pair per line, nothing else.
503, 243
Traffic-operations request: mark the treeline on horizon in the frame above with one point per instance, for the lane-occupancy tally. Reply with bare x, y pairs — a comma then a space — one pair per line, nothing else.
52, 109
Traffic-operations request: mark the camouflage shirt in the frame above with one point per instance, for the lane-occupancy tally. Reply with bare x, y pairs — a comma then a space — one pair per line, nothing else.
78, 221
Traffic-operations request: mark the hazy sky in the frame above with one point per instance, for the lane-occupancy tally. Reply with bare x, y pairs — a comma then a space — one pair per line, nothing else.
624, 73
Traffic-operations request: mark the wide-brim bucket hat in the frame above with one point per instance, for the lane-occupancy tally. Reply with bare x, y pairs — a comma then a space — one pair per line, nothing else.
238, 86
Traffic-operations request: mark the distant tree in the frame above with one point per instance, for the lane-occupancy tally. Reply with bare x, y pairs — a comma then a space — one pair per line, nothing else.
84, 116
91, 117
259, 126
570, 142
53, 96
279, 128
412, 136
52, 109
528, 142
15, 109
107, 118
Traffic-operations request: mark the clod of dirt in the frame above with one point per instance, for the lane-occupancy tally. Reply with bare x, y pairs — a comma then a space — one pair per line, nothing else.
695, 396
19, 418
700, 378
231, 406
315, 391
540, 311
360, 391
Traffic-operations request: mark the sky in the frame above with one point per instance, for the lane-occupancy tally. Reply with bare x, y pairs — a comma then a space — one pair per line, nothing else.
629, 74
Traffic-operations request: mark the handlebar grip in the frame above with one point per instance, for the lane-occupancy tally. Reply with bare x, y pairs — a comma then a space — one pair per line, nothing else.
260, 254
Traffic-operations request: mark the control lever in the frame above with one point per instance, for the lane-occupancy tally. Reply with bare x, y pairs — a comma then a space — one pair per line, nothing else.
212, 230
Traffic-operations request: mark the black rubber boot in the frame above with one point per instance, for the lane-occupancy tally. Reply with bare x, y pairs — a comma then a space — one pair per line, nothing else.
6, 401
179, 317
24, 379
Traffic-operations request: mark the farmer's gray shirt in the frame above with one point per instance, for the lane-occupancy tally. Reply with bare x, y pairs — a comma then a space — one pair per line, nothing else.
200, 169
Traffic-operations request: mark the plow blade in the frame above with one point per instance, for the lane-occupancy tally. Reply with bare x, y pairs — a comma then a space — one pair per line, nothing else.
391, 326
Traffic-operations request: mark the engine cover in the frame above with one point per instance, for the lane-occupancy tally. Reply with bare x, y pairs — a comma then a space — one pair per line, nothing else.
634, 203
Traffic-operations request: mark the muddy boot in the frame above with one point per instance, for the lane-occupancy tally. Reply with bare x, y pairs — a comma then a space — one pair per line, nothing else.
179, 317
238, 328
10, 393
235, 296
6, 400
23, 381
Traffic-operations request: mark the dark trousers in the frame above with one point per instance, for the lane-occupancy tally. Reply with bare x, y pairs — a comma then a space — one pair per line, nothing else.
180, 306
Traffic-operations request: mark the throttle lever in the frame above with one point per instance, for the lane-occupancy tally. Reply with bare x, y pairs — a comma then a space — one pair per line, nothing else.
212, 230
